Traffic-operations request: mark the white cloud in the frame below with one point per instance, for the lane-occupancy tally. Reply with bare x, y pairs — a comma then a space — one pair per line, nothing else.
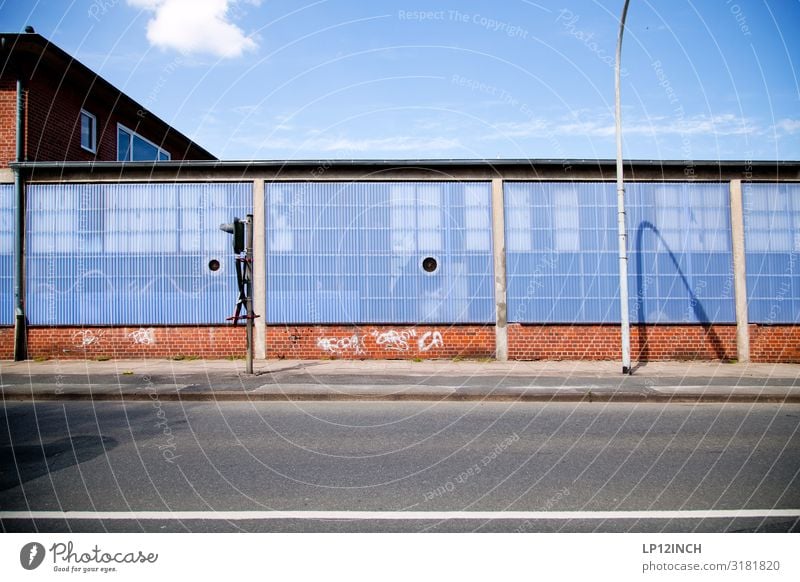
195, 27
350, 147
789, 126
602, 126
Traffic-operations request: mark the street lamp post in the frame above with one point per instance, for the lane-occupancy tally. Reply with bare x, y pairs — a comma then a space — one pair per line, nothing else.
623, 236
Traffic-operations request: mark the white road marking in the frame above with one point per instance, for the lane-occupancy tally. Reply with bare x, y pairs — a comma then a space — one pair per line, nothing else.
399, 515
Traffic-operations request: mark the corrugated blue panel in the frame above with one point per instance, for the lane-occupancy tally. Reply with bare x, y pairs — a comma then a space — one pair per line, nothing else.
352, 252
561, 240
6, 254
131, 254
681, 263
561, 257
772, 251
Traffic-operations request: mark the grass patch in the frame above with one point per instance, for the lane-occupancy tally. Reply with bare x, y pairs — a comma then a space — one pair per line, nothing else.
127, 373
103, 358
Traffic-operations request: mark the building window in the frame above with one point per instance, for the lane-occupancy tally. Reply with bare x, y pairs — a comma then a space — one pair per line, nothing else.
132, 147
88, 131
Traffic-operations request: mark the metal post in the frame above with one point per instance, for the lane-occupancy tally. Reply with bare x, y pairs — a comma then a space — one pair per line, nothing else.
20, 327
625, 323
248, 286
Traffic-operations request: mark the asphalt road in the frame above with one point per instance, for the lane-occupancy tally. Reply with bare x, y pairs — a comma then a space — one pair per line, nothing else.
399, 456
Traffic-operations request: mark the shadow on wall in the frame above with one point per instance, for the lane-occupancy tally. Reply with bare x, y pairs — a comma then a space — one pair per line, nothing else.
697, 307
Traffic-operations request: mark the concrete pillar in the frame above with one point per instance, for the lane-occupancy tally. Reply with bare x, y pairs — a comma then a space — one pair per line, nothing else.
739, 272
259, 270
499, 246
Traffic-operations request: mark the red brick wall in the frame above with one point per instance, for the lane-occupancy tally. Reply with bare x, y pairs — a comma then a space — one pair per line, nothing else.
602, 342
52, 123
390, 342
6, 343
772, 343
129, 342
775, 343
8, 123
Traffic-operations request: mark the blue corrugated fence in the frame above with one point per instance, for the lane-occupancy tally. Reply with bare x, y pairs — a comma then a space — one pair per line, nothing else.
562, 257
117, 254
350, 252
772, 251
7, 254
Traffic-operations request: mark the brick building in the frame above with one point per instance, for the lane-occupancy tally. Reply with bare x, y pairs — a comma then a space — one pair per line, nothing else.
69, 113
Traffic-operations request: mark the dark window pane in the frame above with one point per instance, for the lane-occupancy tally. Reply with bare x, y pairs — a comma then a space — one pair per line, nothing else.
87, 131
123, 145
143, 151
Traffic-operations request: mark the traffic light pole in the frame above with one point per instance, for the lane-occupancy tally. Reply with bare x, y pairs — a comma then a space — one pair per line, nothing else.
248, 253
242, 231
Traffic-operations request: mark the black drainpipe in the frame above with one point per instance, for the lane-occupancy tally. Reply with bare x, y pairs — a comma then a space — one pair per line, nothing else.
20, 323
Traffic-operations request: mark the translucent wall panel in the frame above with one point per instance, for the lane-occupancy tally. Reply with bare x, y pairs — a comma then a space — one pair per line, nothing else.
131, 254
681, 263
353, 252
561, 252
772, 251
561, 240
6, 254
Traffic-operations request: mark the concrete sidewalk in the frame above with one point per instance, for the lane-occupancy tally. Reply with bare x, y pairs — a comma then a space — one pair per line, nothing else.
434, 380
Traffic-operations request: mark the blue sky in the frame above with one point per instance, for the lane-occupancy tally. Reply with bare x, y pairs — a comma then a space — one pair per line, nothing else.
327, 79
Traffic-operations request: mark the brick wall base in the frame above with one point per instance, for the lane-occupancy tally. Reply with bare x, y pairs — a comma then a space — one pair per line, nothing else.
380, 342
768, 343
128, 342
6, 343
775, 343
603, 342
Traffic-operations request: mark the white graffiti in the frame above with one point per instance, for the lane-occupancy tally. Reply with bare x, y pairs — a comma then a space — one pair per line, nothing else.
394, 340
143, 336
86, 337
340, 345
430, 340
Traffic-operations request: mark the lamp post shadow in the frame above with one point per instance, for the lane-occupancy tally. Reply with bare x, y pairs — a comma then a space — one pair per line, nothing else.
699, 311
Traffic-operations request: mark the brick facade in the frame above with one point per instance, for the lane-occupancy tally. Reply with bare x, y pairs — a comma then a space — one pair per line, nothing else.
128, 342
603, 342
768, 343
382, 342
56, 89
8, 121
775, 343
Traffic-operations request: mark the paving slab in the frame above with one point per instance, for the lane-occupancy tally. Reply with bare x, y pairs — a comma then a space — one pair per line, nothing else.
432, 380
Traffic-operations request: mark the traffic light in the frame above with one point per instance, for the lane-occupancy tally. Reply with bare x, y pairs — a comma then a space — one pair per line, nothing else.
236, 228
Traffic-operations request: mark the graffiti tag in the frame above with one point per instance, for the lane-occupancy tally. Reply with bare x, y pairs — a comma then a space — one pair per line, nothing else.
83, 338
143, 336
394, 340
340, 345
430, 340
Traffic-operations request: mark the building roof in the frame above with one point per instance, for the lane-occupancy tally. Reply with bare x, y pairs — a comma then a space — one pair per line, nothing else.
431, 169
23, 54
